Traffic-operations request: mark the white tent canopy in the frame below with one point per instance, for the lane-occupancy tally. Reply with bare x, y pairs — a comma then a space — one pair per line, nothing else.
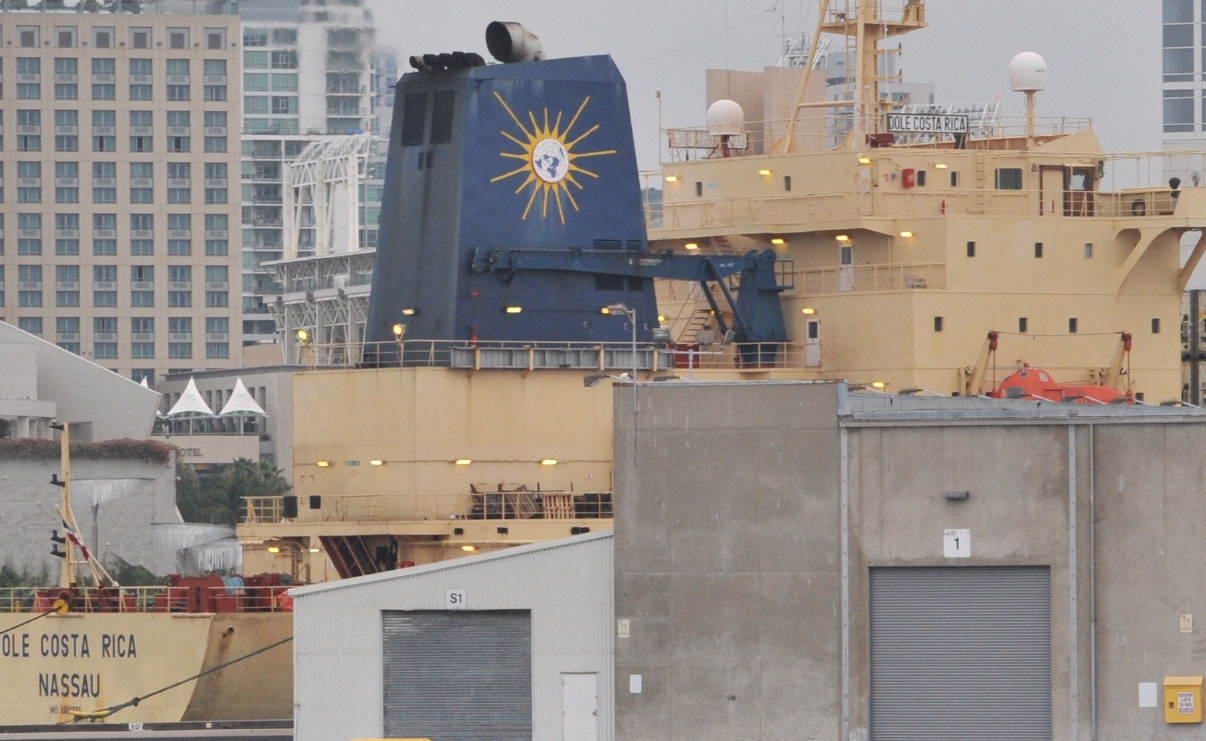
241, 402
190, 402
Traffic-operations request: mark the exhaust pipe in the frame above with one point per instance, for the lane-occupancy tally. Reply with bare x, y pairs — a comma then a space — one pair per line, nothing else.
510, 42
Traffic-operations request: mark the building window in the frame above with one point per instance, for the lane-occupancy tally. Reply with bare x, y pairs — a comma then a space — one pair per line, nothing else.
142, 337
29, 286
1178, 40
217, 338
31, 324
102, 37
142, 182
140, 38
104, 181
27, 36
1178, 109
177, 38
104, 131
104, 77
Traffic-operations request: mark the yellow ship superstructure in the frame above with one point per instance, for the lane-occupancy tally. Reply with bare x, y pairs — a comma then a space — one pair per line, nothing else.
908, 249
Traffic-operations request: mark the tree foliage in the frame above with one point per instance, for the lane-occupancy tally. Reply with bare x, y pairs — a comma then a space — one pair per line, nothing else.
220, 501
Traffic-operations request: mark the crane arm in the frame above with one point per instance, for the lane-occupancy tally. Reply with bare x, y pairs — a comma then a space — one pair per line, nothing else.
1114, 374
975, 382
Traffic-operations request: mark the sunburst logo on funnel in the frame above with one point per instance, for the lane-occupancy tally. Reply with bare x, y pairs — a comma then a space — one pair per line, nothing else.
549, 160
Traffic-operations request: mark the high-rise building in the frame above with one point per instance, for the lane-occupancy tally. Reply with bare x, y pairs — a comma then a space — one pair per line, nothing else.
116, 185
310, 72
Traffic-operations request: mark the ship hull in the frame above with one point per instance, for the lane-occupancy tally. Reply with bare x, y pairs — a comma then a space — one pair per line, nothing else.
86, 662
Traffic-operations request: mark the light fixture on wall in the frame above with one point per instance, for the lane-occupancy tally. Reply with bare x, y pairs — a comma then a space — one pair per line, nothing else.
323, 464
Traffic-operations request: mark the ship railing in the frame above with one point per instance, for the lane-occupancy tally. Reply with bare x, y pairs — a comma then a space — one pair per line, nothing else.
810, 212
263, 509
872, 278
820, 130
147, 599
477, 355
486, 502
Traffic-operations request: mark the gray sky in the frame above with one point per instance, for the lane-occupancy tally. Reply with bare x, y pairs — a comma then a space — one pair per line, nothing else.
1103, 56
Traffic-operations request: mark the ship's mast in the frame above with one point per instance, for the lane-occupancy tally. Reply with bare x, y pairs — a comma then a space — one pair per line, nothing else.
865, 22
72, 539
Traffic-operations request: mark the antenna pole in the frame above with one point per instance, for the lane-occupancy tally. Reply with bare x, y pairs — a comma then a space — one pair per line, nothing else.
67, 578
1030, 119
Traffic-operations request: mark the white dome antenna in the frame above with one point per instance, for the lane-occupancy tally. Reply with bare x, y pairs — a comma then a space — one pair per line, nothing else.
726, 120
1028, 74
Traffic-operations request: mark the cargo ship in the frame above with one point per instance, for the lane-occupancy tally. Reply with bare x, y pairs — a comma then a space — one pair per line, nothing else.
855, 238
89, 649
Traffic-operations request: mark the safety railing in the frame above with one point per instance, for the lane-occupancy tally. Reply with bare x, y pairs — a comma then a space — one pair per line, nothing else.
872, 278
486, 505
233, 597
784, 211
263, 509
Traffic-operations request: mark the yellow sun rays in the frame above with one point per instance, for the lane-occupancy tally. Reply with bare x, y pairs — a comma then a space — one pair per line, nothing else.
548, 159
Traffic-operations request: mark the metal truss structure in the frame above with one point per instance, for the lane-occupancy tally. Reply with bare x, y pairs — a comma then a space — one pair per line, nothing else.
326, 296
322, 192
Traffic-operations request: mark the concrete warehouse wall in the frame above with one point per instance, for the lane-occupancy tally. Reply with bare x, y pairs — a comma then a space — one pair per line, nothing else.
728, 550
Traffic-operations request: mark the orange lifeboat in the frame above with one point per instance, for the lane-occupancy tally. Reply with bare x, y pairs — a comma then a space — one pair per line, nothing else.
1036, 384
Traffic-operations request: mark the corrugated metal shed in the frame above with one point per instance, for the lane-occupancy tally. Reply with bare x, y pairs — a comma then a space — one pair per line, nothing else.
567, 585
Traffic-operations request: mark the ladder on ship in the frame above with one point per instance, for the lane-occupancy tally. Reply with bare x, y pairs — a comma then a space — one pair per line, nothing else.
349, 555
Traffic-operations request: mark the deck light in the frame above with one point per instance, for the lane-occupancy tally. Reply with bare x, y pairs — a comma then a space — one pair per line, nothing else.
549, 462
514, 309
468, 548
690, 246
323, 464
906, 234
376, 462
809, 311
877, 385
842, 238
941, 166
274, 549
672, 178
778, 240
409, 312
661, 319
463, 461
316, 550
303, 336
764, 171
398, 330
864, 159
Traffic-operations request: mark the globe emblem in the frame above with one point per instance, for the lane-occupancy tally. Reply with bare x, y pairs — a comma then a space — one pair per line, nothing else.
550, 160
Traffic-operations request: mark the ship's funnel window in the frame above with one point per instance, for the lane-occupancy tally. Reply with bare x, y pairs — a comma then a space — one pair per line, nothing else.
414, 118
441, 117
971, 248
1009, 178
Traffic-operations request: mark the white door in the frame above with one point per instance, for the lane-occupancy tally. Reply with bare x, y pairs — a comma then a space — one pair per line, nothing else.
846, 272
812, 344
580, 707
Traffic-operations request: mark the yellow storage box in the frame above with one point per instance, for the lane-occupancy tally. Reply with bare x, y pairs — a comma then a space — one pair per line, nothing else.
1183, 699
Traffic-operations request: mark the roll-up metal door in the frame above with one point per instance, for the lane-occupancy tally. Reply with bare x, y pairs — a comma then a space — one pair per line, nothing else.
458, 676
961, 654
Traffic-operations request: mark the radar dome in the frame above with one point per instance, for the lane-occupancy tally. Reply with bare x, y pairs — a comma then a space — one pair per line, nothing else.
1027, 72
725, 118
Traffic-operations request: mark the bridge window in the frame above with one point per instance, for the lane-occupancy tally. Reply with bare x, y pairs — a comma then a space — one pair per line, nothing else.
1009, 178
